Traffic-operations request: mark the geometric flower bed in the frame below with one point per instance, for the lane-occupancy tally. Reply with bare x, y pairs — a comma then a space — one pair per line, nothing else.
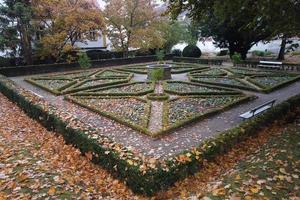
72, 82
187, 109
210, 72
271, 81
176, 68
187, 88
128, 103
134, 112
112, 94
247, 79
223, 81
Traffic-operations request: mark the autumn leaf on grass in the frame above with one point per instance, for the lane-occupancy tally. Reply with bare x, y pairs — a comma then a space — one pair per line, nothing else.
2, 197
51, 191
219, 192
255, 189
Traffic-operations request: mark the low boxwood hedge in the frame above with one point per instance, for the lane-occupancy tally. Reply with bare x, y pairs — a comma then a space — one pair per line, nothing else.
142, 174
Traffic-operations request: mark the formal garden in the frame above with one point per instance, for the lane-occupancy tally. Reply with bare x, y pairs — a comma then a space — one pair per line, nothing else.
149, 132
149, 99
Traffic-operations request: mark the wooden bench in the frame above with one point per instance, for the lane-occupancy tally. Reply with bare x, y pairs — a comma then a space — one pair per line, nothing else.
258, 110
270, 64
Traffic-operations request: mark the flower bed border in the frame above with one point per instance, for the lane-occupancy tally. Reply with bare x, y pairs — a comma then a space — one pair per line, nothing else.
193, 79
229, 91
271, 89
145, 176
94, 93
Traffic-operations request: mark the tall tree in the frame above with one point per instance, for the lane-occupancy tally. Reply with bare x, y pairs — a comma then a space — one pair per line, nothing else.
282, 17
16, 28
65, 22
133, 24
227, 21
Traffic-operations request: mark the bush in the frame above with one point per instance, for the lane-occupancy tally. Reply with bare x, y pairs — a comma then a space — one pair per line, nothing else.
236, 58
177, 52
157, 74
191, 51
84, 61
261, 53
160, 54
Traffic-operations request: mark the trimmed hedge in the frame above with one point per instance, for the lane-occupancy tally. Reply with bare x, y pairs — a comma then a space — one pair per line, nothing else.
198, 60
142, 175
62, 67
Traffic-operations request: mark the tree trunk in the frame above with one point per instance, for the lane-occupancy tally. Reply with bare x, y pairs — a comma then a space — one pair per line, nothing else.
282, 49
26, 44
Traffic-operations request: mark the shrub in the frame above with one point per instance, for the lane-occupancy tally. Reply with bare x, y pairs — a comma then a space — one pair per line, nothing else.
261, 53
236, 58
84, 61
191, 51
177, 52
157, 74
160, 54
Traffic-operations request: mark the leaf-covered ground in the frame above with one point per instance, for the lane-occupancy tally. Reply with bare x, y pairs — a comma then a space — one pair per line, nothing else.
272, 172
37, 164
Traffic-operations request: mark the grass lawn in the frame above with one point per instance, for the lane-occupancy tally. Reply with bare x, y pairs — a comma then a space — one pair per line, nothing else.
272, 172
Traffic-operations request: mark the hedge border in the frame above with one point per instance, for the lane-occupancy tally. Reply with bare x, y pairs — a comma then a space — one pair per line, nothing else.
116, 118
157, 175
271, 89
198, 117
77, 88
193, 79
56, 92
93, 92
158, 96
228, 91
195, 73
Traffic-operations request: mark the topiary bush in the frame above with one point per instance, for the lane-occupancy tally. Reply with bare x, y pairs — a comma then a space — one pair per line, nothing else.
236, 58
177, 52
191, 51
84, 61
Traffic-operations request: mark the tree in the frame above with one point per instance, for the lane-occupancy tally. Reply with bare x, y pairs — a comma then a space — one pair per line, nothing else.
65, 22
226, 21
16, 29
174, 32
133, 24
282, 19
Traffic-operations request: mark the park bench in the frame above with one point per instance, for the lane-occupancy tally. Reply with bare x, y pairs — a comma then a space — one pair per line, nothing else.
270, 64
258, 110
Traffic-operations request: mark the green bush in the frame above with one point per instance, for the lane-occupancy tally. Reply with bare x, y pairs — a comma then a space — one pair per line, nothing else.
84, 61
160, 54
261, 53
191, 51
157, 74
236, 58
177, 52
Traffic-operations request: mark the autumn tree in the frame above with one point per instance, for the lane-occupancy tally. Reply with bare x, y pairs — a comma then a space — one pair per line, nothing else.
63, 23
133, 24
16, 28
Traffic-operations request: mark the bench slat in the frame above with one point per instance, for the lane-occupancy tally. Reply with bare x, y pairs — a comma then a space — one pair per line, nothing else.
270, 62
258, 109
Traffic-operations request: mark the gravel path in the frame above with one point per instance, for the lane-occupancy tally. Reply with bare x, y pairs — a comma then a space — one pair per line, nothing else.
182, 139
